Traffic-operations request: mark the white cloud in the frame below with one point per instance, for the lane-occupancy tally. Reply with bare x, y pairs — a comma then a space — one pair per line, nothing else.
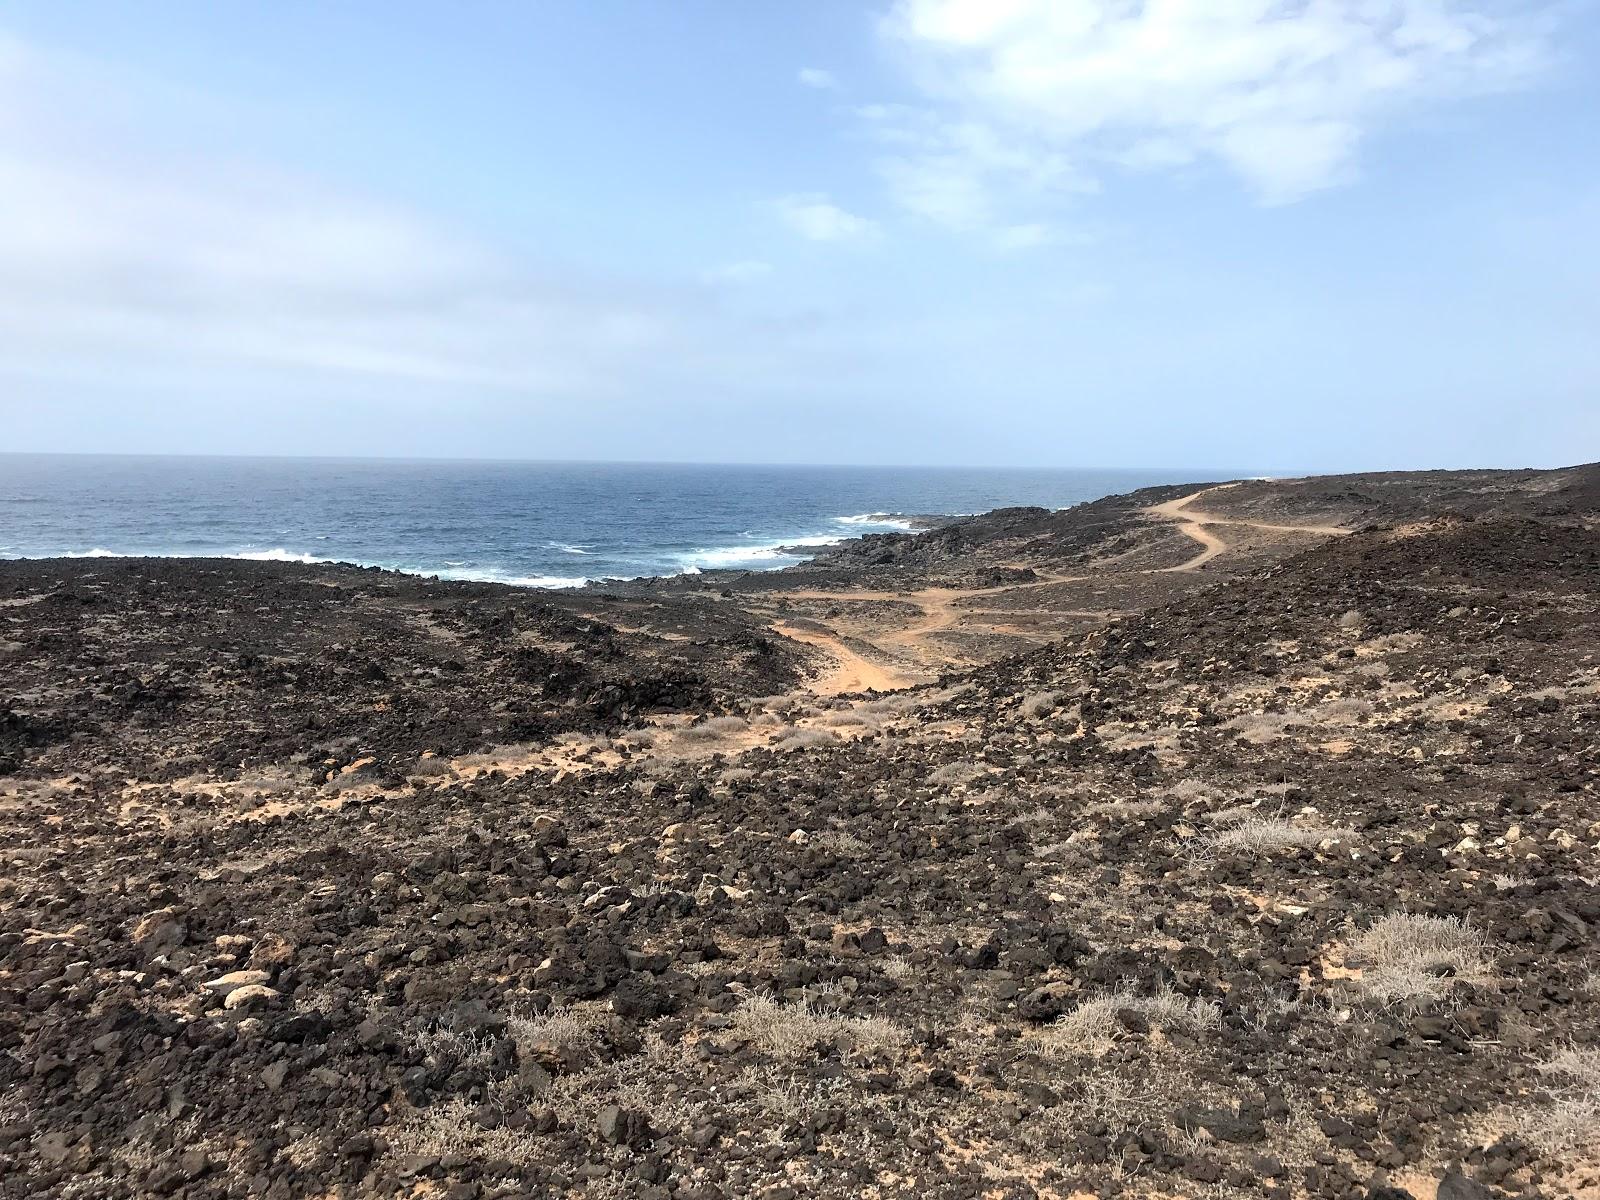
812, 215
123, 260
816, 77
1281, 92
962, 174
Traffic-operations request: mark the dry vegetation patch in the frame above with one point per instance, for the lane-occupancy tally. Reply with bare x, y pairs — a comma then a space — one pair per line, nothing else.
1095, 1026
714, 729
1268, 835
795, 1031
1571, 1121
1406, 958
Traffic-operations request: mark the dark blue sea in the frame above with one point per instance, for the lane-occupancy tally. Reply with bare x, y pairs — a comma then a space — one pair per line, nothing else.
539, 524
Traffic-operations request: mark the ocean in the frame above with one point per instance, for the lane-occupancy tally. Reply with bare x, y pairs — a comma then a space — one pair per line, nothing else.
537, 524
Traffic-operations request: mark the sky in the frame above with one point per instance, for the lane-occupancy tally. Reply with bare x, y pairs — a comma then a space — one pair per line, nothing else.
1308, 235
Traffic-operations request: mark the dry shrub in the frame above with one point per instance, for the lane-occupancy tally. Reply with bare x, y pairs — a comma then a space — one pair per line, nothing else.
1092, 1027
956, 774
1125, 808
449, 1128
1232, 815
837, 841
1191, 789
569, 1033
466, 1048
793, 1031
1571, 1121
774, 704
898, 702
714, 728
1270, 834
805, 739
650, 1082
1405, 957
850, 717
1039, 704
898, 968
1260, 727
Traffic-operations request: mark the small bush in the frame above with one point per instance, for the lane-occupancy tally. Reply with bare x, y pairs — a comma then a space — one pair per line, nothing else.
837, 841
794, 1031
567, 1033
955, 774
1405, 957
449, 1128
804, 739
849, 717
1039, 704
1125, 808
1270, 834
1092, 1028
1571, 1122
714, 728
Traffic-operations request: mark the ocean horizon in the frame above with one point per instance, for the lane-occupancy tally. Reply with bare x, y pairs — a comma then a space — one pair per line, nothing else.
545, 524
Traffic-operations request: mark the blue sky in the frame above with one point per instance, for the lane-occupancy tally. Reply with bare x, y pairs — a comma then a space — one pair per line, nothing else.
1299, 235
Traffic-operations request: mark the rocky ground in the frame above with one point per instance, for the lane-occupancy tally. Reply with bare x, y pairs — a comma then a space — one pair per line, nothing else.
1231, 840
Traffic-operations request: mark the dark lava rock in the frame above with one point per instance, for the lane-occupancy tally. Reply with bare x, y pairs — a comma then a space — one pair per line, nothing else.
624, 1126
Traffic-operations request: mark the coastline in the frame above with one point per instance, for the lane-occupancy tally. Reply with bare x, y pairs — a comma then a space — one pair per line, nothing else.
1020, 833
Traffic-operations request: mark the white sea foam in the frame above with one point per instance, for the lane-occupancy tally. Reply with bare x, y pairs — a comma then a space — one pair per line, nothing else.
276, 554
754, 556
496, 575
548, 581
280, 554
567, 549
880, 520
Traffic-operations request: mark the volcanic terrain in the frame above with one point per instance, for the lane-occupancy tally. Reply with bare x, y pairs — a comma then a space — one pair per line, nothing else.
1239, 838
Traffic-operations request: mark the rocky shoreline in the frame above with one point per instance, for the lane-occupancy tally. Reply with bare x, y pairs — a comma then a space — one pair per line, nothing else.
1236, 839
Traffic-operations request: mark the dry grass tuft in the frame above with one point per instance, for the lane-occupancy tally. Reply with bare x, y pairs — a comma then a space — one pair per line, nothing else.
449, 1128
1270, 834
1191, 789
1092, 1028
568, 1033
1571, 1121
714, 729
1125, 808
1258, 728
837, 841
1039, 704
805, 739
955, 774
794, 1031
1405, 957
850, 718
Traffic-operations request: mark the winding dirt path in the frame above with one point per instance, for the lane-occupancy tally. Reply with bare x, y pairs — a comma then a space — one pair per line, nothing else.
851, 672
941, 609
1193, 522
